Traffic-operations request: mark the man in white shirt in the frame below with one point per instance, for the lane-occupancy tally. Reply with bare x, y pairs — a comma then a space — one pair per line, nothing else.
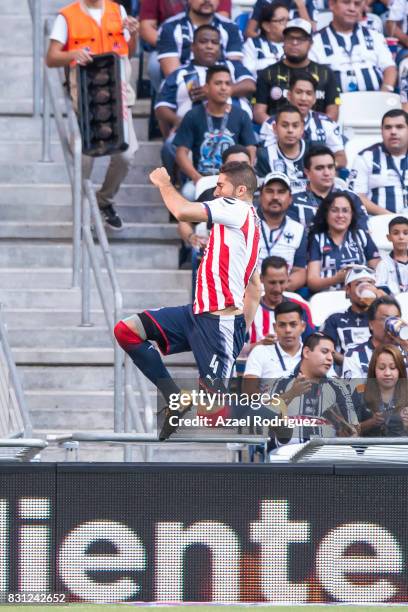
267, 362
380, 172
359, 56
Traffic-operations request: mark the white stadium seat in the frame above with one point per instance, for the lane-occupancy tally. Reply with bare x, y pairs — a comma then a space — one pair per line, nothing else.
357, 144
323, 18
325, 303
205, 182
378, 227
363, 110
402, 299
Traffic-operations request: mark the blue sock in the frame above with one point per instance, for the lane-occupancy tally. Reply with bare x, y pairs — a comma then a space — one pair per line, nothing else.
147, 358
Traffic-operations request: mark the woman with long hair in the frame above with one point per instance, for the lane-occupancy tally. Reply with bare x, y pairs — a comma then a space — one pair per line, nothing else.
267, 48
381, 403
335, 243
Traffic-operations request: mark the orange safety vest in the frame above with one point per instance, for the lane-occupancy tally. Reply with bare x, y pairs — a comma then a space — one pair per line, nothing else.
84, 32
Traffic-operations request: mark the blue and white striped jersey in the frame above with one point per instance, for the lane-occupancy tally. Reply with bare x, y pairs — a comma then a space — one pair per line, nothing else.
356, 361
347, 329
287, 241
260, 53
381, 177
176, 36
358, 59
271, 159
174, 94
392, 274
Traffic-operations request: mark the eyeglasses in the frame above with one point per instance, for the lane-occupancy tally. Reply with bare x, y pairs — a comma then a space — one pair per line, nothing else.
281, 21
297, 39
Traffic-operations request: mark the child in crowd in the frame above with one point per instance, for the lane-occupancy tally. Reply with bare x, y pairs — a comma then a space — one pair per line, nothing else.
392, 271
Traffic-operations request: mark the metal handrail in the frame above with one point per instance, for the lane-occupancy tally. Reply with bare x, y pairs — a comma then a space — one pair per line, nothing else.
18, 421
35, 12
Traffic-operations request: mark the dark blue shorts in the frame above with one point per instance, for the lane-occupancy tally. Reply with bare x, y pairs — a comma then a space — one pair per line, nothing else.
215, 341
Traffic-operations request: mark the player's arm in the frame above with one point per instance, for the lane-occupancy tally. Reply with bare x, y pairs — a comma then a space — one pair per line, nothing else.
182, 209
251, 299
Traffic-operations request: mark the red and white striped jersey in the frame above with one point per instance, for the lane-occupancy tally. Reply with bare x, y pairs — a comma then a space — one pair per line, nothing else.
264, 319
230, 257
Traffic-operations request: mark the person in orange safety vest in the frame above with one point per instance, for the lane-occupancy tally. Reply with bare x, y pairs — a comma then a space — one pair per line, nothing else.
83, 29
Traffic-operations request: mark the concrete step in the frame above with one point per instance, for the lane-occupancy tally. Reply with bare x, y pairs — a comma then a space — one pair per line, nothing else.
84, 356
154, 213
16, 83
60, 278
21, 28
50, 194
14, 8
30, 151
83, 377
70, 299
42, 254
59, 230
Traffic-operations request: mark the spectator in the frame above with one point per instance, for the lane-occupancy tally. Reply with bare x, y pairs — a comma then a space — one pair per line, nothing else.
186, 85
397, 27
380, 402
270, 361
350, 327
208, 129
275, 280
319, 128
379, 173
267, 48
357, 359
176, 35
296, 8
320, 170
286, 155
273, 82
392, 271
309, 393
335, 243
360, 57
280, 235
83, 29
370, 20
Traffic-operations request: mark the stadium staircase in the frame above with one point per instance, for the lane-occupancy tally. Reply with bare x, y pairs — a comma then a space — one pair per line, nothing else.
66, 369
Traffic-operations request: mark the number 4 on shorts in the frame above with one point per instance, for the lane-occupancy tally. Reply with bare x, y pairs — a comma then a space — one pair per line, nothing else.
214, 363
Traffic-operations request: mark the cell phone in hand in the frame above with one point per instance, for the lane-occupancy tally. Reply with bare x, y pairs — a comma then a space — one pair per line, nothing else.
191, 80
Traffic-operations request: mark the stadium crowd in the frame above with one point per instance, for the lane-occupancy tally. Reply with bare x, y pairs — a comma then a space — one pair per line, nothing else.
267, 90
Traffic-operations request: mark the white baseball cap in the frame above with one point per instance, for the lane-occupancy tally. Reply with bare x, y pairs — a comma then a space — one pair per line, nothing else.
359, 272
277, 176
299, 24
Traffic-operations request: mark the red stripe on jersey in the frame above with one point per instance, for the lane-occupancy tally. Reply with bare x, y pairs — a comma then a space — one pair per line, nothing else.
253, 333
224, 269
244, 229
199, 287
265, 322
212, 293
254, 252
306, 309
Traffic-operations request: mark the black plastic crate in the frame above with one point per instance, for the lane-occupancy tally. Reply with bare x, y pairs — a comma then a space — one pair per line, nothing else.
102, 108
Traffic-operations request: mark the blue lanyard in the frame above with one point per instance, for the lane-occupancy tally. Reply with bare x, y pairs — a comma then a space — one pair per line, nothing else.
401, 175
342, 43
279, 354
270, 246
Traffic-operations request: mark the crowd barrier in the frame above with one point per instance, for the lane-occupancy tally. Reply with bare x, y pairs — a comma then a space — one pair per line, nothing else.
182, 532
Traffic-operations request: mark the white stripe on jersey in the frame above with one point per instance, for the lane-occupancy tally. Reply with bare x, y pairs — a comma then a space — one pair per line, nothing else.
227, 326
386, 275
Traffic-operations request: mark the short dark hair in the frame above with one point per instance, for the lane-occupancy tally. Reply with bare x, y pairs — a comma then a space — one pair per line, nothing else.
316, 151
287, 307
384, 300
397, 221
268, 12
302, 76
212, 70
314, 340
237, 148
241, 173
201, 28
395, 112
275, 262
288, 108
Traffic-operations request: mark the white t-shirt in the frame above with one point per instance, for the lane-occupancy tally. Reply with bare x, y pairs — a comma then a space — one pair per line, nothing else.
59, 30
271, 361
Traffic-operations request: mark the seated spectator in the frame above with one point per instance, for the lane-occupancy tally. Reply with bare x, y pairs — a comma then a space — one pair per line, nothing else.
357, 359
350, 327
176, 35
267, 48
320, 170
275, 280
335, 243
210, 128
360, 57
296, 8
379, 175
319, 128
308, 393
270, 361
273, 82
381, 399
186, 85
397, 27
286, 155
392, 271
280, 235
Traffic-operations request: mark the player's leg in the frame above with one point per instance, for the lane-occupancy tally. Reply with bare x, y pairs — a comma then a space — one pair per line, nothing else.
165, 327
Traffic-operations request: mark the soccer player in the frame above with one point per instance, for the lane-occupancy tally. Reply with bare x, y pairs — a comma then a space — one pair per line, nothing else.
227, 290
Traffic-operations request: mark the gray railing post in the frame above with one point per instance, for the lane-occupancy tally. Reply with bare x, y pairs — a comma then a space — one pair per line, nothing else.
86, 271
37, 39
46, 121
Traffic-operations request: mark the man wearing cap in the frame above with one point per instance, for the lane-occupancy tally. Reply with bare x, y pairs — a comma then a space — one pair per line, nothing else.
280, 235
273, 82
350, 327
359, 56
